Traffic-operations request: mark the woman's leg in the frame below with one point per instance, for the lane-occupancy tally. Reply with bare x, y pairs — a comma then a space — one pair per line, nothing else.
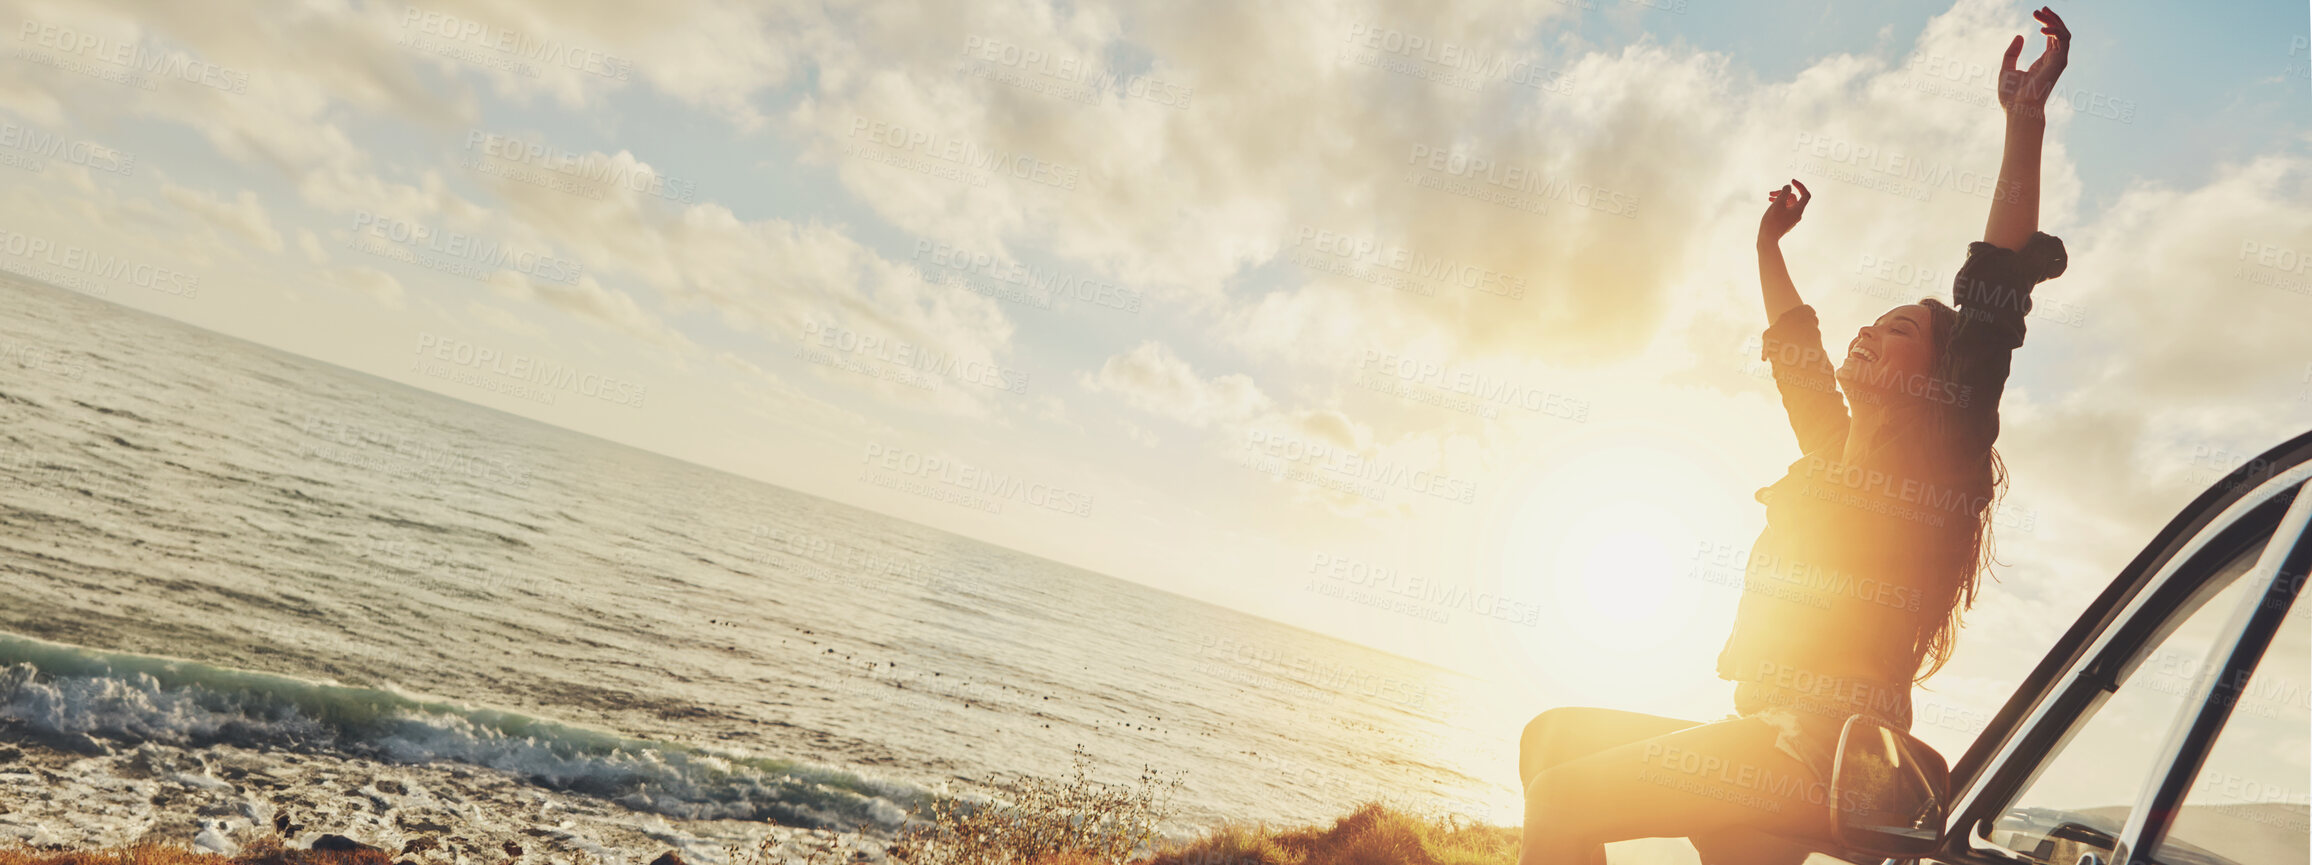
1563, 735
1571, 733
1719, 780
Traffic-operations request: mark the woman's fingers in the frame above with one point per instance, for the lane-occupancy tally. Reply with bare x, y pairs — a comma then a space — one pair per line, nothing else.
2053, 21
1803, 195
2058, 35
2058, 52
2014, 53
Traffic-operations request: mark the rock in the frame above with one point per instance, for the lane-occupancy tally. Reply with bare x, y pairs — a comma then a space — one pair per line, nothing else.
213, 838
10, 754
225, 808
392, 787
667, 858
199, 781
420, 845
341, 844
78, 743
513, 849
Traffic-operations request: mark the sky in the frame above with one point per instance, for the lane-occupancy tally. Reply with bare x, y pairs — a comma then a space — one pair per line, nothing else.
1433, 330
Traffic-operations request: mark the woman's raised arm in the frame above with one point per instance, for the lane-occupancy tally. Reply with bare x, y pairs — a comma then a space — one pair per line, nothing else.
2023, 93
1792, 343
1783, 210
1993, 288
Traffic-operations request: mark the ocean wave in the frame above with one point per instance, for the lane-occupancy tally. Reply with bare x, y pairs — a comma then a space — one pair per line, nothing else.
76, 697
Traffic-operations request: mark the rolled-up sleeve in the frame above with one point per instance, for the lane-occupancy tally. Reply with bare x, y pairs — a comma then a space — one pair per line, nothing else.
1803, 374
1993, 294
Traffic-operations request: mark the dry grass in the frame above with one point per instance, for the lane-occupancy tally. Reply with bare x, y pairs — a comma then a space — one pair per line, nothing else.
264, 851
772, 851
1073, 821
1372, 835
1069, 821
1078, 821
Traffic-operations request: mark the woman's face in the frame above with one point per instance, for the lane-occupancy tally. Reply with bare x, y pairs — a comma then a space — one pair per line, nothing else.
1894, 353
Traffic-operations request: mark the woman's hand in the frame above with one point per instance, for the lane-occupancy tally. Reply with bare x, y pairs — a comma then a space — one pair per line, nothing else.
2024, 92
1783, 210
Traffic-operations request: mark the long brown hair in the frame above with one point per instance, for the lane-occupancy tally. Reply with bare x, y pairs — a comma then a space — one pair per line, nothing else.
1984, 482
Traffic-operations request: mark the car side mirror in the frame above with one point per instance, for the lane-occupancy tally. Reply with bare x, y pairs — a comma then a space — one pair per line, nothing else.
1888, 791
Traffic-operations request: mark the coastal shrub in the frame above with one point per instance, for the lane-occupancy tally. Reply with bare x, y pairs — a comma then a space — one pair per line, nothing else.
1230, 845
816, 850
1035, 830
1045, 821
1372, 835
259, 853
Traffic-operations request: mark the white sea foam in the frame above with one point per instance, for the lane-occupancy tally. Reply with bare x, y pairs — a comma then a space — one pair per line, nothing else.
93, 698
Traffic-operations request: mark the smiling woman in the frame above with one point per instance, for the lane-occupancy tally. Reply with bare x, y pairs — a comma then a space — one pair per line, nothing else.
1818, 637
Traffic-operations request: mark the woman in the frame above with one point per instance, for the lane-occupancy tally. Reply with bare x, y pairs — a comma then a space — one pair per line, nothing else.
1873, 543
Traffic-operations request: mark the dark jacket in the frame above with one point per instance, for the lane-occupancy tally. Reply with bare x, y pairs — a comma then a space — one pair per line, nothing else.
1861, 563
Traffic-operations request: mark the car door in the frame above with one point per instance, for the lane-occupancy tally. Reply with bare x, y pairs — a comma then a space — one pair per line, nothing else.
2169, 724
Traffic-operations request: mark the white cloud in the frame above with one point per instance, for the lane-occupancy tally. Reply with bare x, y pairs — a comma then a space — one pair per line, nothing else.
376, 284
1153, 379
244, 215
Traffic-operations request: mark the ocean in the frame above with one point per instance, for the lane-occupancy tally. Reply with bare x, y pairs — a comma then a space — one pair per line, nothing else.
238, 584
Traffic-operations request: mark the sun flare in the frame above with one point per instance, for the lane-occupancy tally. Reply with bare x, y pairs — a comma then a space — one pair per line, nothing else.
1608, 539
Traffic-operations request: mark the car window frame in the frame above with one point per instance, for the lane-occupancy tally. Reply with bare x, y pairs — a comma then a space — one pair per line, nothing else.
2222, 682
2258, 503
2120, 650
2102, 613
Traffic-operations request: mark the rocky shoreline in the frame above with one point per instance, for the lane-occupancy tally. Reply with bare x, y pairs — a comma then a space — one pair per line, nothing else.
84, 794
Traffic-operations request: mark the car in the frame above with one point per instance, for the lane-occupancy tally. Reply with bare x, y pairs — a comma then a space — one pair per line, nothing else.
2168, 725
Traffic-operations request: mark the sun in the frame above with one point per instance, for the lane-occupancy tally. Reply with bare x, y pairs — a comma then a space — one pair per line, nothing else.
1622, 557
1614, 537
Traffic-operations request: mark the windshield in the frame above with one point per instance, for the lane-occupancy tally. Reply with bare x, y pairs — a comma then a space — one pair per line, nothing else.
2081, 797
